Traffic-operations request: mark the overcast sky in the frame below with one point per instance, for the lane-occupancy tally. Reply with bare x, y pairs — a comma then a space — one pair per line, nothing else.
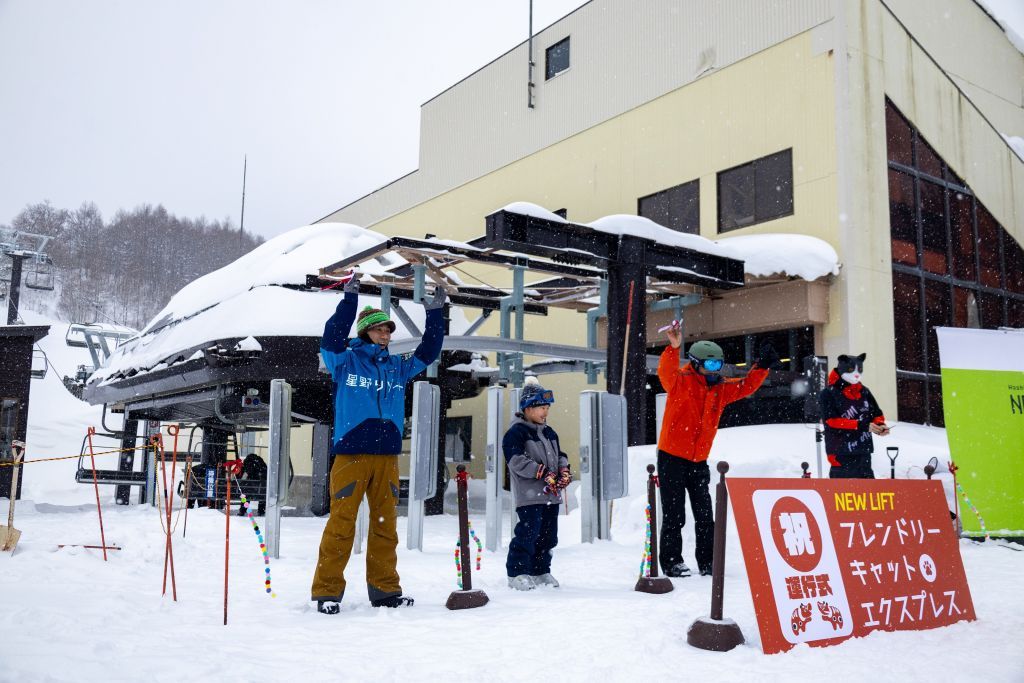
124, 102
138, 101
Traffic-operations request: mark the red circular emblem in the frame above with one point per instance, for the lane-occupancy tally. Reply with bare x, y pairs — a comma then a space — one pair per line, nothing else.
796, 534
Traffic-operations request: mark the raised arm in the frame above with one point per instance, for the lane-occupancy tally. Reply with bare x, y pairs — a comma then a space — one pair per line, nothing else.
668, 368
339, 325
429, 347
748, 385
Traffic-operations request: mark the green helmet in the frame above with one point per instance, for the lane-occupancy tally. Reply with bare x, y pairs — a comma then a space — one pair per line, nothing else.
703, 350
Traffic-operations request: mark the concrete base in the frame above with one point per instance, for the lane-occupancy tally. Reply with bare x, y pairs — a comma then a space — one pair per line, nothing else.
656, 585
709, 634
466, 599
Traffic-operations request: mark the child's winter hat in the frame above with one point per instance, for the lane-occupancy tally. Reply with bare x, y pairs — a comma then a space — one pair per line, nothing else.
533, 394
371, 317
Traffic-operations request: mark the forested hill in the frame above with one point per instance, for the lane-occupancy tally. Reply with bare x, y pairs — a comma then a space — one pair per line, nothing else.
123, 270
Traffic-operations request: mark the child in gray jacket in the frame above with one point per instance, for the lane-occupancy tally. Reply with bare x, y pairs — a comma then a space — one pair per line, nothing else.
539, 471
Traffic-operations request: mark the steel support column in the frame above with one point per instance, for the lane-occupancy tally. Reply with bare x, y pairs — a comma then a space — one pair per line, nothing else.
629, 269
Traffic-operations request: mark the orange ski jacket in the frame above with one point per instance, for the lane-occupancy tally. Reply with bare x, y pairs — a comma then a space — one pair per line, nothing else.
693, 407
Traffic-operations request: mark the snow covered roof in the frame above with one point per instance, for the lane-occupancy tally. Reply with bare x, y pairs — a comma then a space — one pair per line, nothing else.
768, 254
248, 298
256, 296
1010, 18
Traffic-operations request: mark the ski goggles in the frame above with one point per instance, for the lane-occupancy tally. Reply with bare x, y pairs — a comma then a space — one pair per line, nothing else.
544, 398
709, 364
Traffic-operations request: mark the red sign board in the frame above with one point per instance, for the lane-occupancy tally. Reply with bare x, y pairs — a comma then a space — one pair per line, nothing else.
829, 559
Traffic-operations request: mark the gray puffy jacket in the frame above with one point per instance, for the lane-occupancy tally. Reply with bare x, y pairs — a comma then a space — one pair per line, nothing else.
528, 447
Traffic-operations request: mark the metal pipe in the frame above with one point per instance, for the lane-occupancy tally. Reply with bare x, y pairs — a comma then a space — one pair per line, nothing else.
529, 60
484, 315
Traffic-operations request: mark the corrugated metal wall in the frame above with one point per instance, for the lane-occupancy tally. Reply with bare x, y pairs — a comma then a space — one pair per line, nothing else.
623, 54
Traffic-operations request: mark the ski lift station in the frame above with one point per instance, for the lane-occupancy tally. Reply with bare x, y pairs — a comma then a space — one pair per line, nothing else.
234, 355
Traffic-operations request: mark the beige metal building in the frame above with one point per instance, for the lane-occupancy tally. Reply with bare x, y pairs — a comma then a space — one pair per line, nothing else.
875, 125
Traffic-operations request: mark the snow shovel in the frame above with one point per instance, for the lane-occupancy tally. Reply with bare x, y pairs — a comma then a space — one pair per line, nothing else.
8, 534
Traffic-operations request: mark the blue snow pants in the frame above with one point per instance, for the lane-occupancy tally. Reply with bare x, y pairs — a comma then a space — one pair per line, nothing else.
535, 535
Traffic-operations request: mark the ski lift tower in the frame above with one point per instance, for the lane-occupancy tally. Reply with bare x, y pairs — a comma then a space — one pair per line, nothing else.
38, 274
16, 355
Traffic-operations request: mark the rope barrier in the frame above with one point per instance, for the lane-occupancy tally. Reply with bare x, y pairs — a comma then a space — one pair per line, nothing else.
70, 457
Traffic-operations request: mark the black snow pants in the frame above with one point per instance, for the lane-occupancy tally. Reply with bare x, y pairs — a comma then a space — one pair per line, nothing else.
678, 477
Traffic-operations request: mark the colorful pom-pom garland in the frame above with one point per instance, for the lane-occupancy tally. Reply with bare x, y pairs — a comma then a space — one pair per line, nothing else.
263, 545
953, 468
458, 554
645, 563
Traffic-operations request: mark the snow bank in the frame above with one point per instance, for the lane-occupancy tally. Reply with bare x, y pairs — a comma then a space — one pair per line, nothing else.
70, 616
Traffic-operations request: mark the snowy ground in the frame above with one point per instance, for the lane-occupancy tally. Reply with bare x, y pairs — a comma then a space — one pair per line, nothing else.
66, 615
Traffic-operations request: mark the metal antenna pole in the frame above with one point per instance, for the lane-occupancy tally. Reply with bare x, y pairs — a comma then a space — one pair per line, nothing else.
245, 167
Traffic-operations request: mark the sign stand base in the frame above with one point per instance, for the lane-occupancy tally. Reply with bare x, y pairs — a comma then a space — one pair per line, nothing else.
466, 599
654, 584
710, 634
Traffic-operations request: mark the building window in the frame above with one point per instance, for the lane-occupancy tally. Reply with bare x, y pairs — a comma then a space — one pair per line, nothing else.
953, 264
556, 59
759, 191
677, 207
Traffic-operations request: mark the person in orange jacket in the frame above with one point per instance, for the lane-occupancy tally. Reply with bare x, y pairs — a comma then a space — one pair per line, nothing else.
697, 395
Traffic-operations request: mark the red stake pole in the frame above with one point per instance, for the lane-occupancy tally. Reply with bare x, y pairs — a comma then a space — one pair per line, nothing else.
158, 442
96, 485
227, 538
173, 430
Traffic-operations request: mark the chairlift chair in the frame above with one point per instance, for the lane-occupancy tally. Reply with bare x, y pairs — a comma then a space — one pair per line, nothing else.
39, 274
75, 336
39, 364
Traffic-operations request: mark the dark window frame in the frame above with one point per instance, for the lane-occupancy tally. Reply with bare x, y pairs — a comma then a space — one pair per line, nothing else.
763, 205
551, 69
989, 299
687, 222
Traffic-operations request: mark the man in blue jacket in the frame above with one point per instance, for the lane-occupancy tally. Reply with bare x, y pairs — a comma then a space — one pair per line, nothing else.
369, 415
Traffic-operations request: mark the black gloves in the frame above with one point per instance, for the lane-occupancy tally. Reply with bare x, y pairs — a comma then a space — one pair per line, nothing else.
352, 285
769, 357
440, 297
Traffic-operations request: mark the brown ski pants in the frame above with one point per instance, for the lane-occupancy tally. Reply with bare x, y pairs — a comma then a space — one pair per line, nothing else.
353, 476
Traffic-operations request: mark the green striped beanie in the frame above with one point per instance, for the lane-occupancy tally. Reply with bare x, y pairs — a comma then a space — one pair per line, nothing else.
370, 317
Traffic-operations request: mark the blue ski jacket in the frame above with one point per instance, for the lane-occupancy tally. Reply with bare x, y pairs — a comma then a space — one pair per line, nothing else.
369, 396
